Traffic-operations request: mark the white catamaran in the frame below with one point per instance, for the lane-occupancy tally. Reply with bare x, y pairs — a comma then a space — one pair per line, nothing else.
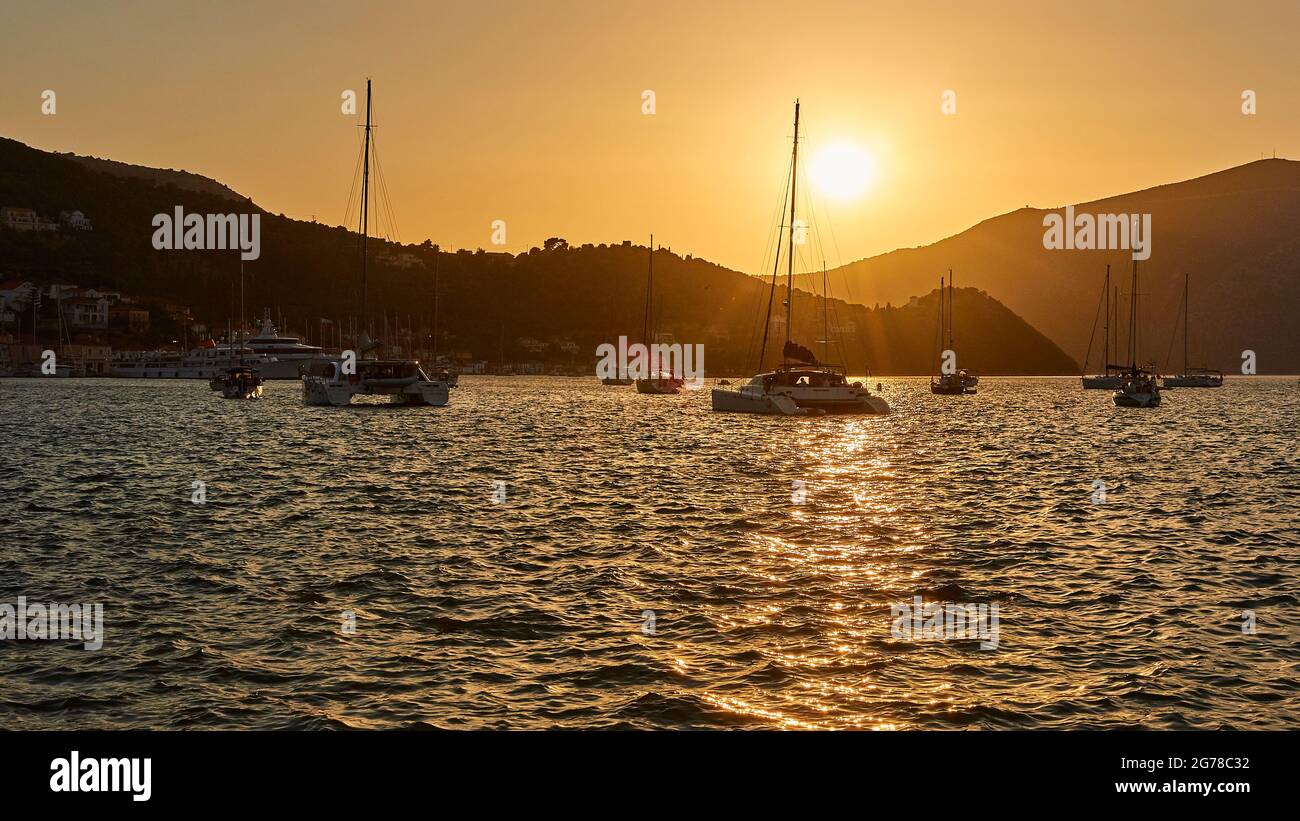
334, 383
800, 385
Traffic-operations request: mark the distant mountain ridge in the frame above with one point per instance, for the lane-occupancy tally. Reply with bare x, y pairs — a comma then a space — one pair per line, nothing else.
1234, 232
161, 176
490, 304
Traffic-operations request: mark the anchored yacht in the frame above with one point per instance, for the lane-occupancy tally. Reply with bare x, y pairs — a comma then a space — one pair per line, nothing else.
334, 382
242, 382
1141, 387
1110, 380
800, 386
957, 383
1192, 377
404, 380
281, 357
656, 381
210, 360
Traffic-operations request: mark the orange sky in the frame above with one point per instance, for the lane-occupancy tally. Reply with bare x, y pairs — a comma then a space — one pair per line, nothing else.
531, 112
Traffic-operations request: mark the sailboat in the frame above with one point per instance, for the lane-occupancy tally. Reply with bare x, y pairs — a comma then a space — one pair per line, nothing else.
657, 380
1141, 387
950, 384
1108, 380
335, 382
800, 385
1192, 377
241, 381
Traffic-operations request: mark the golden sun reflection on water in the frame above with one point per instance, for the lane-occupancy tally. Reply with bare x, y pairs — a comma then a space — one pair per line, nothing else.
770, 609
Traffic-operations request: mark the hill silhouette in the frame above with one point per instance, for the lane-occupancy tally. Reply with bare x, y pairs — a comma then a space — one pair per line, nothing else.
487, 302
1233, 231
159, 176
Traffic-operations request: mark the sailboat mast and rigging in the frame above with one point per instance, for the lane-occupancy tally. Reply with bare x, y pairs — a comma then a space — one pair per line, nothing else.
404, 381
364, 223
656, 382
800, 385
242, 381
1107, 379
1192, 377
1141, 387
959, 382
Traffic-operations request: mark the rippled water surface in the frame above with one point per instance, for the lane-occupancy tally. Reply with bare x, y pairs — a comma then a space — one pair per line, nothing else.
530, 612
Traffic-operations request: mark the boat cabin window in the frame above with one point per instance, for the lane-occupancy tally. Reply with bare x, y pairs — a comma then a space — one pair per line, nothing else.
814, 379
388, 370
325, 370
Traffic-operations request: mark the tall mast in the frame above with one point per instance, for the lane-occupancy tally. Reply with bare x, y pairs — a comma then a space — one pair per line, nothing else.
1187, 310
437, 259
241, 313
1115, 311
950, 297
789, 262
826, 318
1132, 319
1106, 357
942, 321
365, 211
649, 293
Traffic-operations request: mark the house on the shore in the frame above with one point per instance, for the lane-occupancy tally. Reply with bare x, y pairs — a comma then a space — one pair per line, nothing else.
128, 317
24, 219
76, 220
86, 312
17, 294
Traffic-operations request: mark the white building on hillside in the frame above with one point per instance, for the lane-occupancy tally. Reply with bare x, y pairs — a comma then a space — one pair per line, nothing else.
76, 220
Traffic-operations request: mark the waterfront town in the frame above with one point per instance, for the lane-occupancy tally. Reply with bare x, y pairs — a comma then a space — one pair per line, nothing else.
99, 330
96, 330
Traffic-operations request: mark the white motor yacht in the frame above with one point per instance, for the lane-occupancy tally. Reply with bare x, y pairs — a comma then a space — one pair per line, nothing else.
281, 357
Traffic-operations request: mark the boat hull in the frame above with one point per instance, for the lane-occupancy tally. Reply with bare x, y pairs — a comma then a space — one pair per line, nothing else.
321, 392
1103, 382
954, 384
659, 387
1193, 382
34, 371
266, 368
1136, 400
236, 392
859, 405
729, 401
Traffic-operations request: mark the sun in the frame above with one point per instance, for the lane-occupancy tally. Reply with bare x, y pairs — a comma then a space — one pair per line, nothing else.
842, 171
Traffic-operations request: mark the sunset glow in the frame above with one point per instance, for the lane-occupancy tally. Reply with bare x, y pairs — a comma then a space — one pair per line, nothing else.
842, 171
